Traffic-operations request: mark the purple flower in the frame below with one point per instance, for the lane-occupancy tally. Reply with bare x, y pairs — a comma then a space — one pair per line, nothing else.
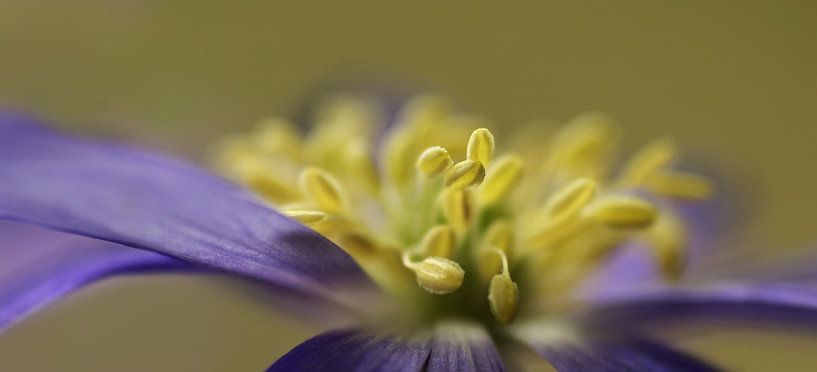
441, 264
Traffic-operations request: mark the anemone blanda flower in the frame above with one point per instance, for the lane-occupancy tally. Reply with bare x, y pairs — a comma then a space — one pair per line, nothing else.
449, 252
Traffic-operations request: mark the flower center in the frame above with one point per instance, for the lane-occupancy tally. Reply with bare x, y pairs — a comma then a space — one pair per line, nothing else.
437, 210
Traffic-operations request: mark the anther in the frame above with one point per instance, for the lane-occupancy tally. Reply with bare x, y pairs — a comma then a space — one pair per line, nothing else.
433, 161
465, 174
570, 199
503, 293
277, 135
500, 179
306, 217
436, 275
666, 238
622, 212
652, 159
264, 180
439, 241
322, 190
481, 146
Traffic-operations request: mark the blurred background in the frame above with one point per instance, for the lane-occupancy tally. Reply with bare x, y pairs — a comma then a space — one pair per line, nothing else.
734, 83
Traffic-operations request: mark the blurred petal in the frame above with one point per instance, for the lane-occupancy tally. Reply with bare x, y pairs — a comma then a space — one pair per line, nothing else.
633, 355
463, 347
41, 266
144, 200
770, 303
355, 350
452, 347
567, 350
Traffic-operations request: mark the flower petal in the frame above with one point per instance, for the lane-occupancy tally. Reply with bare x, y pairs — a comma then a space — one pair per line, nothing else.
463, 347
631, 355
38, 267
451, 347
770, 303
355, 350
567, 349
144, 200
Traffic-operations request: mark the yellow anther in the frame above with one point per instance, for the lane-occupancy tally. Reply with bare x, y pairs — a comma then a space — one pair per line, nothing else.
423, 111
433, 161
680, 185
481, 146
667, 240
570, 199
359, 164
650, 160
439, 241
437, 275
500, 179
458, 208
277, 136
399, 155
322, 190
465, 174
264, 180
622, 212
581, 148
503, 293
306, 217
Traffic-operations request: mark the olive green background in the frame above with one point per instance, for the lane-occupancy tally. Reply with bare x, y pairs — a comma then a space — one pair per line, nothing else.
734, 82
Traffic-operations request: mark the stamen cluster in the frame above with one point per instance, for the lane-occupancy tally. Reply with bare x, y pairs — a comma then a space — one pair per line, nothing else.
408, 212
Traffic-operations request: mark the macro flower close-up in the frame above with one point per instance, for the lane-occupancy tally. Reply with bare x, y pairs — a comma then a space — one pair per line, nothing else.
413, 187
439, 248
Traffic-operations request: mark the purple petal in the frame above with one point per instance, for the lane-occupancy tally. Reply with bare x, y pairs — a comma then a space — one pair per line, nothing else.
568, 348
41, 266
629, 355
452, 347
463, 347
769, 303
144, 200
355, 350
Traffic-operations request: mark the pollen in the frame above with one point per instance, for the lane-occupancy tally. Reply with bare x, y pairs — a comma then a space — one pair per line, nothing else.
439, 213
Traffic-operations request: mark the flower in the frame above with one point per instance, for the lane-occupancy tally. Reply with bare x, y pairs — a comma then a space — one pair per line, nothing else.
447, 252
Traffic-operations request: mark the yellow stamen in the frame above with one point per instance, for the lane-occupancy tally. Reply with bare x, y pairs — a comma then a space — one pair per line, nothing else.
464, 174
499, 236
481, 146
666, 237
264, 180
622, 212
277, 136
322, 190
652, 159
436, 275
570, 199
458, 208
503, 293
433, 161
439, 241
306, 217
500, 179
